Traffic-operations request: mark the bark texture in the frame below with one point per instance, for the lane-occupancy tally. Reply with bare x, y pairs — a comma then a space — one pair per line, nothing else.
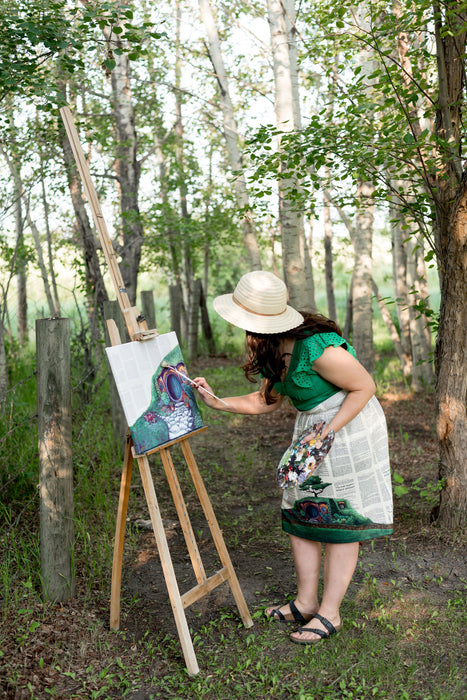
127, 167
231, 134
451, 366
287, 115
95, 283
362, 280
451, 242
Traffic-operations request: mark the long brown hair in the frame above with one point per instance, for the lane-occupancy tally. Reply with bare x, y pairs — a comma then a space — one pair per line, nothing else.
263, 354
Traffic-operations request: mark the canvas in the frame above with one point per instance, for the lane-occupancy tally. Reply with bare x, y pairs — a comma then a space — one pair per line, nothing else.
159, 405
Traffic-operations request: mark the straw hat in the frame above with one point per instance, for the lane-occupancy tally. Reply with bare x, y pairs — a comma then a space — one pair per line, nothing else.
258, 304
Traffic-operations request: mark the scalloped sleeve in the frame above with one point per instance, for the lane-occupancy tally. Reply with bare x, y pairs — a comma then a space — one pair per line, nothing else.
310, 349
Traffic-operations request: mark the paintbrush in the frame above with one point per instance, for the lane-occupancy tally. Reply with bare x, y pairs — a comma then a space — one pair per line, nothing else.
185, 376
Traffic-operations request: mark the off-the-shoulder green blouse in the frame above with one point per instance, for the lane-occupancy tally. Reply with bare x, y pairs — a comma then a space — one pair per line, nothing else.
305, 388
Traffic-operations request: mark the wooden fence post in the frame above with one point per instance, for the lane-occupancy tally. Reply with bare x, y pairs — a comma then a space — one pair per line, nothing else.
193, 321
55, 457
176, 310
147, 308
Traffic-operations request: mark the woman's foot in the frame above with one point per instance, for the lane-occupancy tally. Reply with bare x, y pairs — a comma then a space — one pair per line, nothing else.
318, 628
291, 613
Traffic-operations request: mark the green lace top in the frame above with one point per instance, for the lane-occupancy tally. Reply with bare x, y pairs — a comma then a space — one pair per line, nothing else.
305, 388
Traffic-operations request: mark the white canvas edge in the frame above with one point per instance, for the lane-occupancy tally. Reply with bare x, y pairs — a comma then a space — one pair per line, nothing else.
133, 365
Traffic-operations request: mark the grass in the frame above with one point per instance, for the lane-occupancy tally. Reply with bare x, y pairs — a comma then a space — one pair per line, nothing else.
390, 649
403, 635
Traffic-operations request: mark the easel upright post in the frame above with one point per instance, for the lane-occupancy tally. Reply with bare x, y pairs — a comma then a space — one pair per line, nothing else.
137, 330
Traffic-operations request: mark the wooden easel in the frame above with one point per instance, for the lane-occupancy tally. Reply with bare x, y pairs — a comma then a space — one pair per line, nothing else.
137, 330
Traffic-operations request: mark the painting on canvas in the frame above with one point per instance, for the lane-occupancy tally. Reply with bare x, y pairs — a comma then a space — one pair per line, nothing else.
159, 405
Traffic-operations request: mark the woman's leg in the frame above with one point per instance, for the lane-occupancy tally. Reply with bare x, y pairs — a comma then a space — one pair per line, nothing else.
307, 559
340, 561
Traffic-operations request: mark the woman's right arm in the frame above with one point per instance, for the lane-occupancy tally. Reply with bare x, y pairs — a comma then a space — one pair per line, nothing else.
248, 404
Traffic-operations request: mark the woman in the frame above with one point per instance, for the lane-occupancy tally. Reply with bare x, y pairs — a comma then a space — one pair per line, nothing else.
349, 500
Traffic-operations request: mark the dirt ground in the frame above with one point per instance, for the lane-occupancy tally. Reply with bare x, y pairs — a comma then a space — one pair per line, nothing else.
415, 555
422, 555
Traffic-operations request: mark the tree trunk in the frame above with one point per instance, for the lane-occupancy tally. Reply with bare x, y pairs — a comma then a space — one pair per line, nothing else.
331, 300
362, 280
206, 325
147, 308
307, 249
170, 233
187, 258
96, 290
20, 197
421, 345
451, 369
41, 263
416, 332
388, 322
112, 310
288, 7
451, 241
425, 330
45, 204
175, 297
348, 324
399, 267
127, 166
3, 364
22, 312
286, 115
193, 325
231, 135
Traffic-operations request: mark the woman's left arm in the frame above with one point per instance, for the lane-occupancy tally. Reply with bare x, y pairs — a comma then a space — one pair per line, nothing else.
340, 368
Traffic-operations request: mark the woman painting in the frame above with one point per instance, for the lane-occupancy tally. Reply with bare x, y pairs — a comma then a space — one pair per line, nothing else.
348, 499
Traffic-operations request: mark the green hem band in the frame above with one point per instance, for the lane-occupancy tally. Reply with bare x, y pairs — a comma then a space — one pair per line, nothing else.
336, 535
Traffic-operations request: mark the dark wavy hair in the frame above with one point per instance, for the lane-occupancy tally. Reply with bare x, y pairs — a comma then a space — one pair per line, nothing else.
263, 354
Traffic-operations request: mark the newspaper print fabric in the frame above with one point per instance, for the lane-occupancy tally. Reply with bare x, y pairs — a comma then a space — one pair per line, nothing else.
348, 498
303, 456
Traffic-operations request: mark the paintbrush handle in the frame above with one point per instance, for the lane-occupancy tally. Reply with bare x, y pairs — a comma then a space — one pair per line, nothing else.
185, 376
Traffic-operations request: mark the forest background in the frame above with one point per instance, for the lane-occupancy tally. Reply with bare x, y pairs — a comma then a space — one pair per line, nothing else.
317, 140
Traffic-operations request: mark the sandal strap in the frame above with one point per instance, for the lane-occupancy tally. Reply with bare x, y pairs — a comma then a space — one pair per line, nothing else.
325, 622
297, 615
278, 613
314, 630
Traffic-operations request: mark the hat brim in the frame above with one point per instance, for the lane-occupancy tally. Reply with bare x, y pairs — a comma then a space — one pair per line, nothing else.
230, 311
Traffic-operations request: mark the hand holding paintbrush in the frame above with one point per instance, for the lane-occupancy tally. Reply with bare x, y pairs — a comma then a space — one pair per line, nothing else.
197, 386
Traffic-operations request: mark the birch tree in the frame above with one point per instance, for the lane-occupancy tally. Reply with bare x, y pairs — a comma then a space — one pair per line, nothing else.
127, 166
21, 199
287, 117
451, 239
3, 362
231, 134
95, 283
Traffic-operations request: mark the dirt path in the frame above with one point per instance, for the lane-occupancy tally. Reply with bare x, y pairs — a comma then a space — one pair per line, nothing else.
67, 651
414, 556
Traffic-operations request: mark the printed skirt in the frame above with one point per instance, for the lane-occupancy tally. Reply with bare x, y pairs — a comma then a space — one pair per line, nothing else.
350, 498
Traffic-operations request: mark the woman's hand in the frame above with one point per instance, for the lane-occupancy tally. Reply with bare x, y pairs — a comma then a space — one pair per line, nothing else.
211, 401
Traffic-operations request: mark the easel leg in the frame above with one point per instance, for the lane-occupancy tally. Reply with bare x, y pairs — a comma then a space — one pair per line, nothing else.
183, 517
120, 536
167, 567
217, 534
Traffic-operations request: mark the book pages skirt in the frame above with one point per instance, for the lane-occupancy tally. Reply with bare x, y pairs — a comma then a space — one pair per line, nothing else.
349, 496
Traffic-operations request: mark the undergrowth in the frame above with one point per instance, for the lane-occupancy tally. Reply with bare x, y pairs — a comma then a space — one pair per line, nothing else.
402, 639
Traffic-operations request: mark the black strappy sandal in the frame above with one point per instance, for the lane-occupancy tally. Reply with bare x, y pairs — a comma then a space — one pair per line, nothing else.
298, 618
323, 634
